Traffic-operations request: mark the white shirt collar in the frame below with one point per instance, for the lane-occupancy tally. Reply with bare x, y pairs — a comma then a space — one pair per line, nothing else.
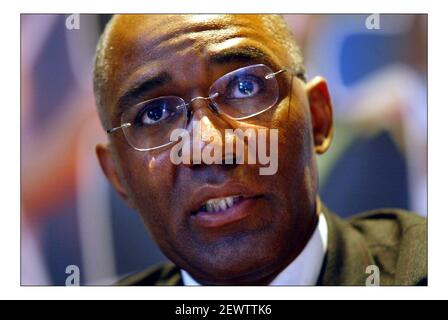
304, 270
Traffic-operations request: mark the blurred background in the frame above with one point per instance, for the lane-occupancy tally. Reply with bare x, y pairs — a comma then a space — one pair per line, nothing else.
70, 214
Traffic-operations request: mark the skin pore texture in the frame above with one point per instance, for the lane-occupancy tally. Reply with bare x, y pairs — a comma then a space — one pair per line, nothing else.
185, 54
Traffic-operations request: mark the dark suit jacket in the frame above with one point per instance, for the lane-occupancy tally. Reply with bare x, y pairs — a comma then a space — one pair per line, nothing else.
393, 240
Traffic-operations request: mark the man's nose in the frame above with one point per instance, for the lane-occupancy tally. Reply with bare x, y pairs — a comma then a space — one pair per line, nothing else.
207, 130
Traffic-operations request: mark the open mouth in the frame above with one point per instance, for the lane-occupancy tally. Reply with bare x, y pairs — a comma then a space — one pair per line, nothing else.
219, 204
217, 212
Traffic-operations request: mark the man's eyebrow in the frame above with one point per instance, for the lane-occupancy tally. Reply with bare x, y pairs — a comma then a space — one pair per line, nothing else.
140, 89
240, 54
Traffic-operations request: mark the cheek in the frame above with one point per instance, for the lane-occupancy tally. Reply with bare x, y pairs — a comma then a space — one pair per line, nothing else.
293, 119
149, 177
296, 159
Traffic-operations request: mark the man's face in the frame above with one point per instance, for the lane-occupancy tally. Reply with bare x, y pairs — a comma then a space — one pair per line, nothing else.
278, 212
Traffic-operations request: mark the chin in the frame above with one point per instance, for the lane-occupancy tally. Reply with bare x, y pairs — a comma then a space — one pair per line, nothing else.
248, 272
243, 259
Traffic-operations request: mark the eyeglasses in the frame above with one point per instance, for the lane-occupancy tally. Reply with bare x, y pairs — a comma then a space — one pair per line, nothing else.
240, 94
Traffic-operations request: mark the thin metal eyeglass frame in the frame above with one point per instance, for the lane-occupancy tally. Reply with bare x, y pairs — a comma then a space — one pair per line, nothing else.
186, 105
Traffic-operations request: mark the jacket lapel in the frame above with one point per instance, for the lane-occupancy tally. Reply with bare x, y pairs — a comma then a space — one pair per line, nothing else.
347, 256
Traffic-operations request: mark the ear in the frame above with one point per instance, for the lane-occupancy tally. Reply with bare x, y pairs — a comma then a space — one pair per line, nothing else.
321, 113
108, 166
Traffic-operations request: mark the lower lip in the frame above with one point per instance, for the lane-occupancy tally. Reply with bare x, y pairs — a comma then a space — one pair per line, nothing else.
239, 211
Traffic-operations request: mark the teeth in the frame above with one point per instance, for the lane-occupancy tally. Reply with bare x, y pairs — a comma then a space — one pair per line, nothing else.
229, 201
220, 204
209, 207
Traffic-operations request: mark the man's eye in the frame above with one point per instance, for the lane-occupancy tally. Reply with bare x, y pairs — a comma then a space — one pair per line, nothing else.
153, 113
244, 88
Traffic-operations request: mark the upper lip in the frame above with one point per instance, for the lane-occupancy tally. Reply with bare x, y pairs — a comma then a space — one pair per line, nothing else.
229, 189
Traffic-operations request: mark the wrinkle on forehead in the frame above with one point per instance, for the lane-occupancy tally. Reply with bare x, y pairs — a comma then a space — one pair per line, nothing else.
154, 36
138, 40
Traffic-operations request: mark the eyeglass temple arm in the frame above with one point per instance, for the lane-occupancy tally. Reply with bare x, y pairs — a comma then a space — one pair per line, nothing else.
300, 75
112, 130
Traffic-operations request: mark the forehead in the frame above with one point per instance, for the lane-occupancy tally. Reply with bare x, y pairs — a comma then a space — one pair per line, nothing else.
141, 44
